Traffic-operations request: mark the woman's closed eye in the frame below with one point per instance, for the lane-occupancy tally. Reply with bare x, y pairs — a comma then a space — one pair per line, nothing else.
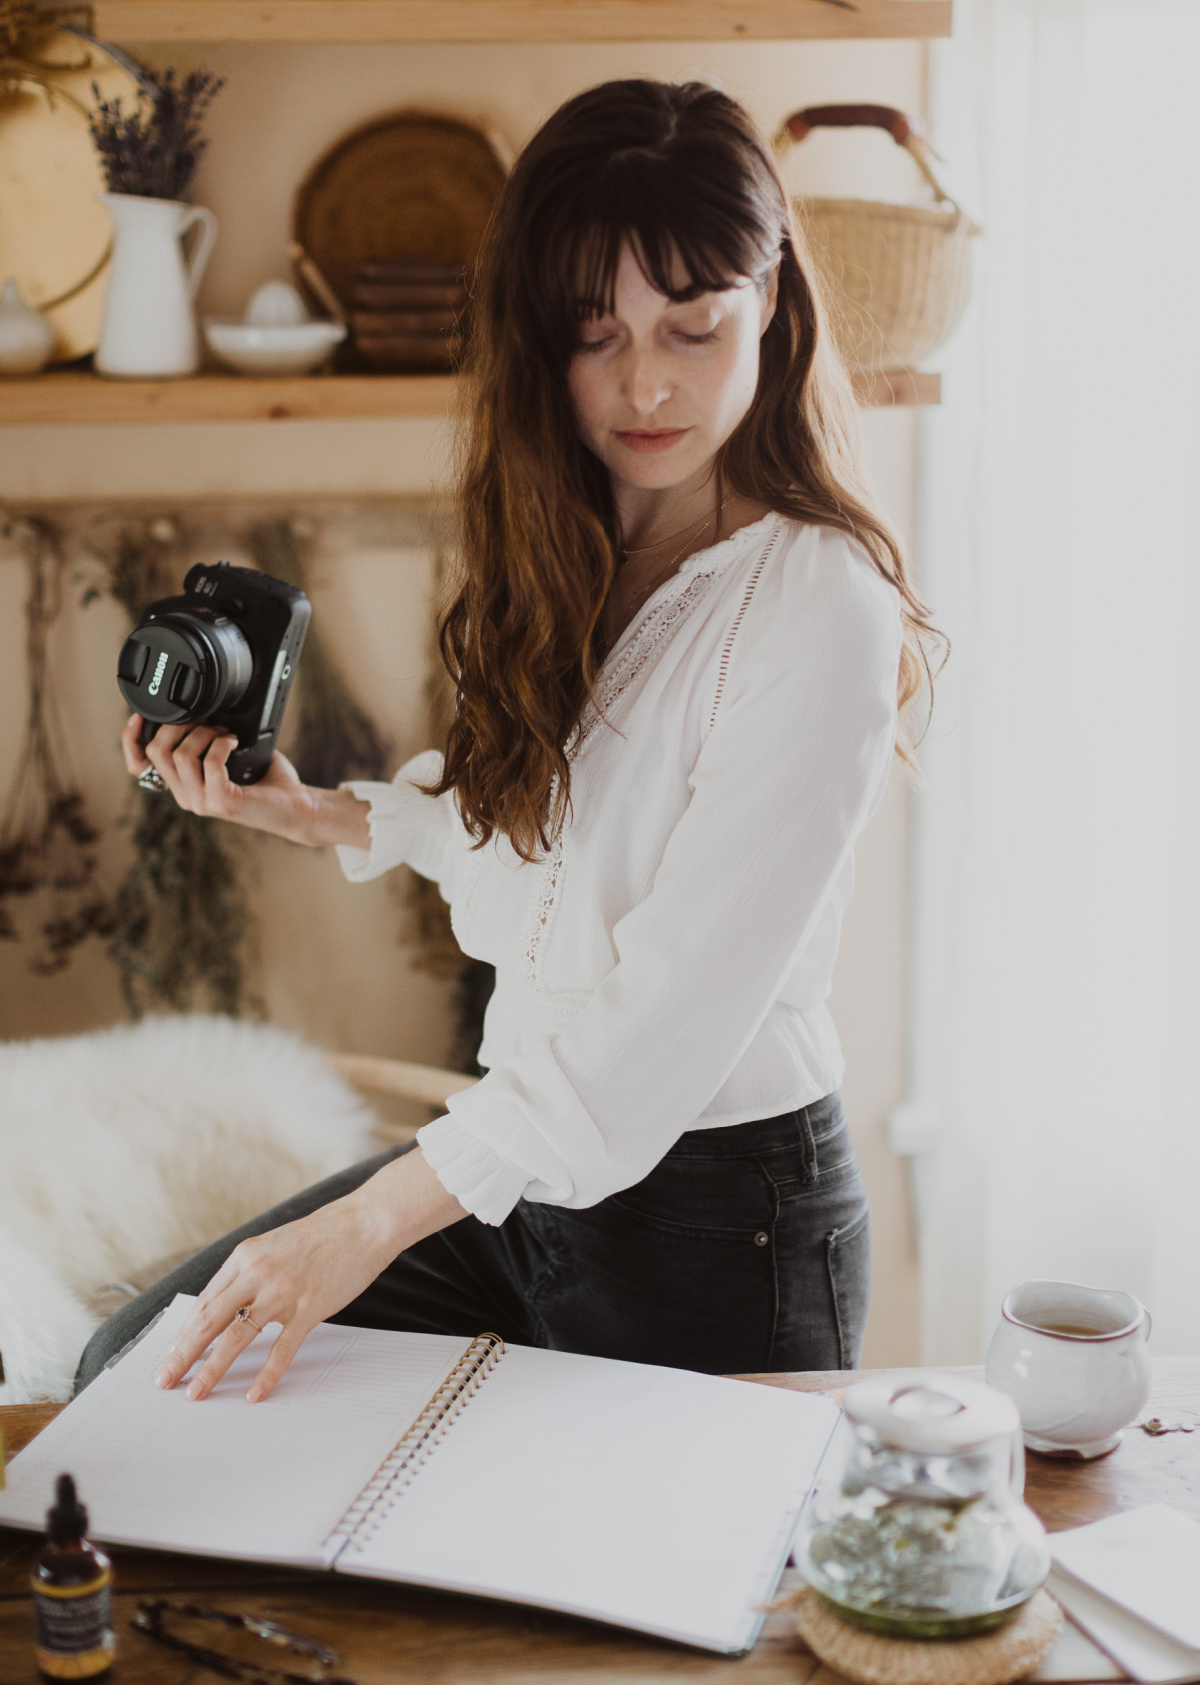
602, 342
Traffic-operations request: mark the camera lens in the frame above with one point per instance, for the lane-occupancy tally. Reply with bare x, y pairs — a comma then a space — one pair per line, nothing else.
184, 666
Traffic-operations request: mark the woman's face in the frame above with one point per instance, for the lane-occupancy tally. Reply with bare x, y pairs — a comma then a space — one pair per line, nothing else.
658, 387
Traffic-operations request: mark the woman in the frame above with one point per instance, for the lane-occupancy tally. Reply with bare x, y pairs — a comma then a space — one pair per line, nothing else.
680, 641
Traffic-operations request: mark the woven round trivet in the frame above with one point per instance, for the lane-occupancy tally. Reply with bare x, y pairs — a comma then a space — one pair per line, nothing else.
869, 1658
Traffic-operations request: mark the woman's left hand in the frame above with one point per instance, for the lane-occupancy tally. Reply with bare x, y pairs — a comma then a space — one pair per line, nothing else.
304, 1272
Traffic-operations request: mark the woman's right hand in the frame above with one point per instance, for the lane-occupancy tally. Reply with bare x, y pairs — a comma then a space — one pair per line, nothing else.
191, 761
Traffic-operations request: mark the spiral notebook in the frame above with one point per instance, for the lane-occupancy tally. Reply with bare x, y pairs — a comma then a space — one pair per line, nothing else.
656, 1499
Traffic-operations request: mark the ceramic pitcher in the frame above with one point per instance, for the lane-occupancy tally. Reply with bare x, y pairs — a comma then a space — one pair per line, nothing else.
149, 326
1074, 1361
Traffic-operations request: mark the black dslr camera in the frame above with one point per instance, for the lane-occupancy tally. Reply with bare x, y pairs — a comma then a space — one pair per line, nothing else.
224, 653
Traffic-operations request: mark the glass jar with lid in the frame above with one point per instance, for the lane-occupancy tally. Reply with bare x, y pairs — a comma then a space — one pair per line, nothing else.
918, 1527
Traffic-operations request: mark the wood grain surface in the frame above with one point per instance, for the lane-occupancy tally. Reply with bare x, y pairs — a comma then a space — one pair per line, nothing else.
517, 20
79, 399
434, 1638
73, 399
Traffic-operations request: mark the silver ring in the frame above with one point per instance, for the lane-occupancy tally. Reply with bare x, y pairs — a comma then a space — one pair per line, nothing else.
244, 1316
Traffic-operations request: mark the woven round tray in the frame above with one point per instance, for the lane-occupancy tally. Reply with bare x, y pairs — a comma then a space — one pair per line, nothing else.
413, 186
868, 1658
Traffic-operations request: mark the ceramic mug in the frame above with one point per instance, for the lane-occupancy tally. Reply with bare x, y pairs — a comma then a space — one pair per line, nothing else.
1074, 1361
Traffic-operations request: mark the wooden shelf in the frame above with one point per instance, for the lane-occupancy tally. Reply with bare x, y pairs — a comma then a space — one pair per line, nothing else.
518, 20
78, 399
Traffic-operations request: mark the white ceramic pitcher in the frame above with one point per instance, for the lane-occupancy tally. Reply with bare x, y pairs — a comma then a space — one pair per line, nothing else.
149, 326
1074, 1361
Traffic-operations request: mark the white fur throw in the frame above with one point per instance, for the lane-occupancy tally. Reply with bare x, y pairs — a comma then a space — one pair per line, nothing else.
122, 1147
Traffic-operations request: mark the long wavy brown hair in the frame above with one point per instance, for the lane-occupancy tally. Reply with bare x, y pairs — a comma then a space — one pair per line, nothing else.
681, 175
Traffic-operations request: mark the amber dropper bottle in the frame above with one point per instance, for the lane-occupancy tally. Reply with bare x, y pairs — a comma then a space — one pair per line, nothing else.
71, 1583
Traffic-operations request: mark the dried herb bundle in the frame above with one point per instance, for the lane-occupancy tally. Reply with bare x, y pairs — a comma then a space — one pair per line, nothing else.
180, 915
334, 738
47, 843
180, 919
153, 150
139, 566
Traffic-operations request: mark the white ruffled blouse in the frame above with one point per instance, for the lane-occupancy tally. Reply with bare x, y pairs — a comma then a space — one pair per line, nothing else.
665, 967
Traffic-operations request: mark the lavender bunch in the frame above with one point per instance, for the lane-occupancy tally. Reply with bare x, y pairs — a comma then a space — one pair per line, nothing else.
153, 150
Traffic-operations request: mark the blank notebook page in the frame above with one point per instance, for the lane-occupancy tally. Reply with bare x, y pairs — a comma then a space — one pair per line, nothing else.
655, 1498
260, 1481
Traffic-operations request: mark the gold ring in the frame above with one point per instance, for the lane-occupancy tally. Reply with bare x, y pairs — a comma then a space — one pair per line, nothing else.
244, 1316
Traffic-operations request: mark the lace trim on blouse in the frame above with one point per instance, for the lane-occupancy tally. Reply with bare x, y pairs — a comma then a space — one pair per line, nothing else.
676, 603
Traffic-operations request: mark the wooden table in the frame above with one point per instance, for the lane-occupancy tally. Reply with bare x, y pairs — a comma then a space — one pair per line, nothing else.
387, 1632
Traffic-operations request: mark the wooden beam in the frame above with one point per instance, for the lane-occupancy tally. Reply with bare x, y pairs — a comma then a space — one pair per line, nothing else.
518, 20
74, 399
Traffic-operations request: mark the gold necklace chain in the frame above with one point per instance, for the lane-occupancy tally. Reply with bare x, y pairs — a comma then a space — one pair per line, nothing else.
665, 570
684, 532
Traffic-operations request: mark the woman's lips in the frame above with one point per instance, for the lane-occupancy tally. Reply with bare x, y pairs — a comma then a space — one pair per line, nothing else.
652, 439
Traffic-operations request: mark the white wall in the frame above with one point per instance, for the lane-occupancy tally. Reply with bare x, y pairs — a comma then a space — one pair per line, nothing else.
331, 965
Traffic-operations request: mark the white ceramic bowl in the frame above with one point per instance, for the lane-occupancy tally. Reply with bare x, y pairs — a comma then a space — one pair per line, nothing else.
292, 349
1073, 1359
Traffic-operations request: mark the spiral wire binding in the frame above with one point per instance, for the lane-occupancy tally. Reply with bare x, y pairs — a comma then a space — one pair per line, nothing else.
407, 1456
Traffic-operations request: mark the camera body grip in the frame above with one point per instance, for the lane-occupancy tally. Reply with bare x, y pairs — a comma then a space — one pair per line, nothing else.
225, 654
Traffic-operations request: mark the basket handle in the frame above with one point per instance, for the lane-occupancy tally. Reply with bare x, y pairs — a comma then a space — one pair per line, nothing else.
906, 131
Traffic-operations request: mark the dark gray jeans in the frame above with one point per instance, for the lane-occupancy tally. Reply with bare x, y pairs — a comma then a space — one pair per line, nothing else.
746, 1248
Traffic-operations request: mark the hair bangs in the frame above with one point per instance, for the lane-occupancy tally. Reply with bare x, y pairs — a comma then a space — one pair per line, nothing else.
681, 242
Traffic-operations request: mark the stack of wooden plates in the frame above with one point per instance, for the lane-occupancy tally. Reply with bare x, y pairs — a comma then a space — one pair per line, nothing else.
393, 217
407, 315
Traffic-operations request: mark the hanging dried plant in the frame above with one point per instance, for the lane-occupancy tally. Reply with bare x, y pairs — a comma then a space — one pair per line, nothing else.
47, 843
180, 918
334, 738
139, 565
153, 150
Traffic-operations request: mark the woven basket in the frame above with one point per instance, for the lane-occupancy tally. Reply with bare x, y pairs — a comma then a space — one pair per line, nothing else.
898, 276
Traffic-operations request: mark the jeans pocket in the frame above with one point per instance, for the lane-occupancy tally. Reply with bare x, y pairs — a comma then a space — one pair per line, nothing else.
848, 1260
644, 1288
719, 1197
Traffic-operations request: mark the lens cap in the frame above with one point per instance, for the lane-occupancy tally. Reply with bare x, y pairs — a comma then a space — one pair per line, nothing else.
161, 672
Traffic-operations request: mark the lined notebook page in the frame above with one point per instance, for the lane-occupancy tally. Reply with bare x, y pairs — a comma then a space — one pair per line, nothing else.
223, 1477
654, 1498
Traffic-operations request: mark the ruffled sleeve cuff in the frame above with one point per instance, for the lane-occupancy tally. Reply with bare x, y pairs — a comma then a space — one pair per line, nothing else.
486, 1184
408, 828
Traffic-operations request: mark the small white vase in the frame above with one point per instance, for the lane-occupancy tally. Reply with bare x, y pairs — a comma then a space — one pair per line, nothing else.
149, 326
26, 339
